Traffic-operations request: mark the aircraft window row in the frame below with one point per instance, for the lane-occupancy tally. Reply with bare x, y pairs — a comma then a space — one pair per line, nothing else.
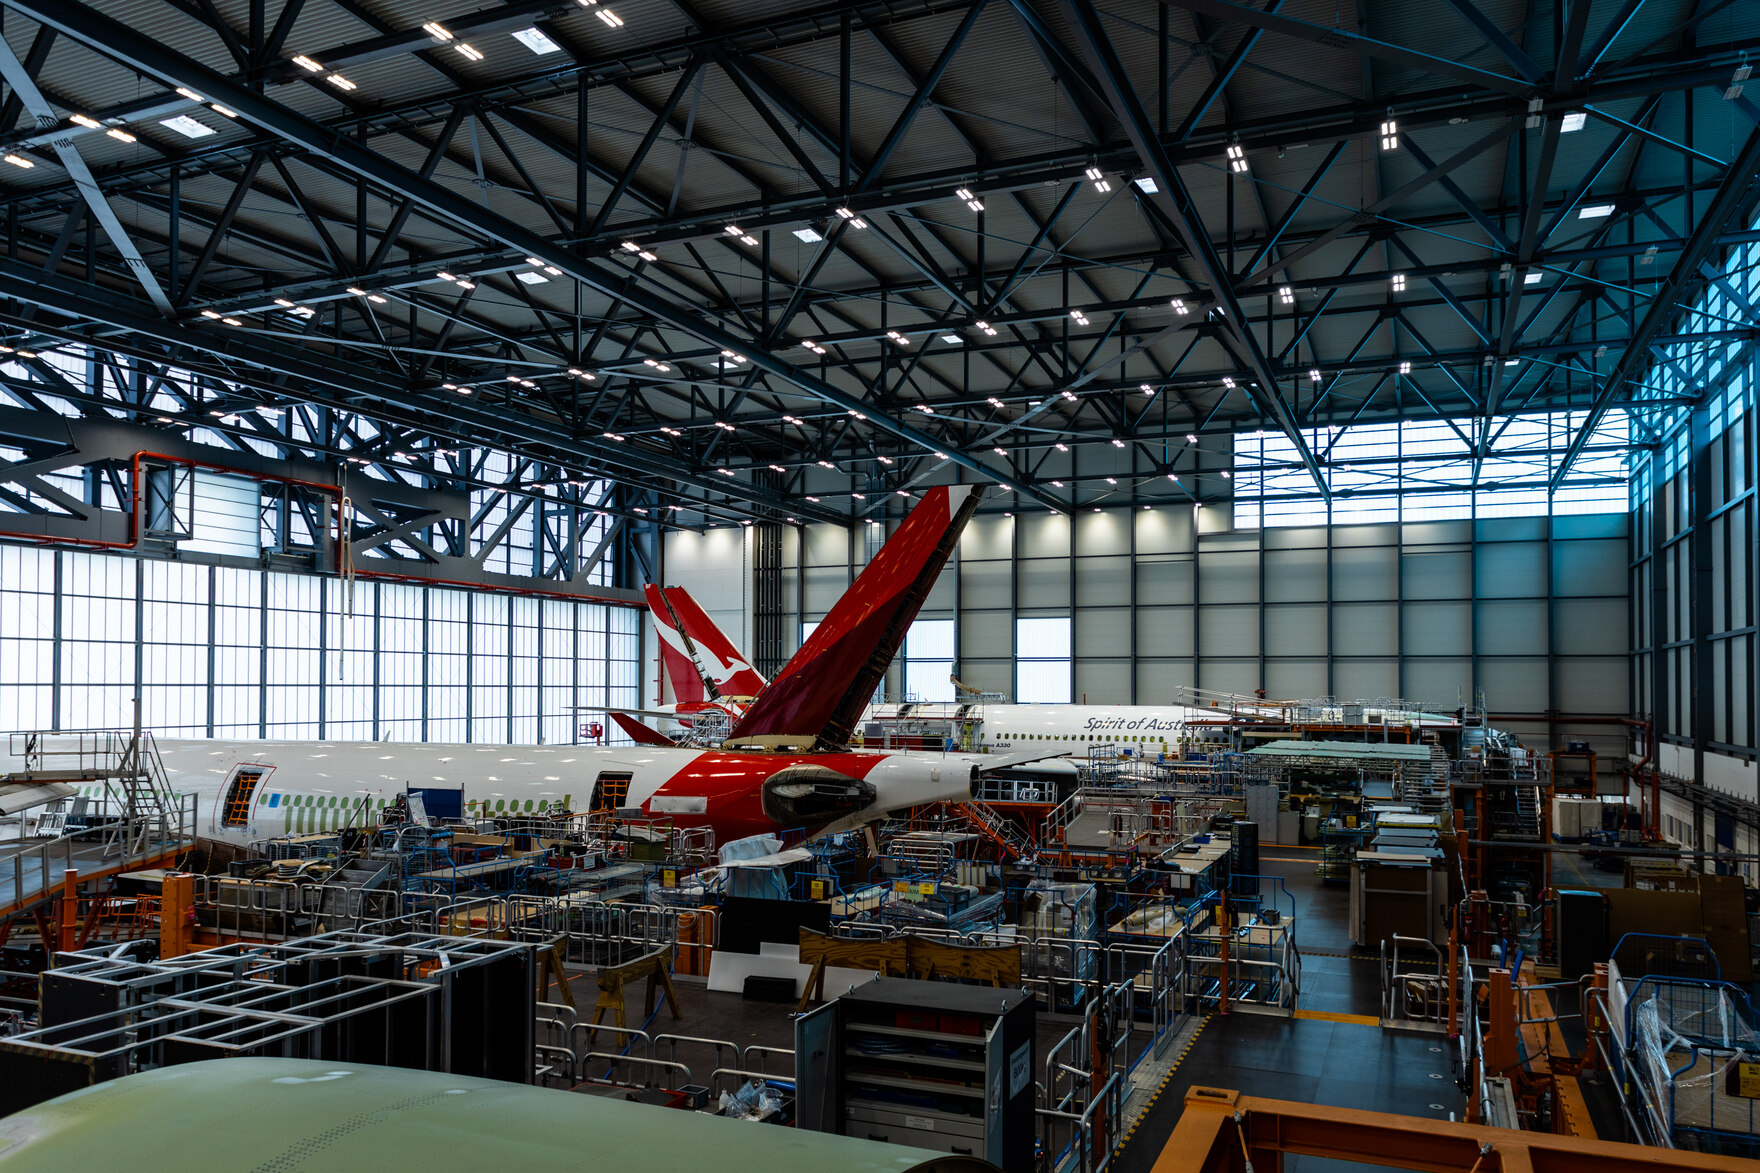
1071, 737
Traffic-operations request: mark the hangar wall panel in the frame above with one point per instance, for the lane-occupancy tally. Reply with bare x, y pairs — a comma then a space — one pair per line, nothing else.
1426, 611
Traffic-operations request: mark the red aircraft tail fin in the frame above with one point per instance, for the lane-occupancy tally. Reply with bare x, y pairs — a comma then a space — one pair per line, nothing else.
675, 654
639, 733
716, 657
819, 695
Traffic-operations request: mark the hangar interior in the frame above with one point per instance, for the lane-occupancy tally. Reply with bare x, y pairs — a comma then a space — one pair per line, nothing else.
1199, 544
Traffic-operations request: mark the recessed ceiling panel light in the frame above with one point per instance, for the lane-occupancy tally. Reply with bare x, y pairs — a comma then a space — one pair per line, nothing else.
535, 40
188, 127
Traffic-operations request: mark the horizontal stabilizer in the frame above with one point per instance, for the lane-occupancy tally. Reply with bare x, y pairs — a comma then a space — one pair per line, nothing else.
818, 696
639, 733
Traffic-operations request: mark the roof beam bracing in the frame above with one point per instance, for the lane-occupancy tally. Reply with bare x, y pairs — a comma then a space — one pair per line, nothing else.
1244, 14
342, 383
24, 87
80, 22
1175, 201
1734, 203
1497, 38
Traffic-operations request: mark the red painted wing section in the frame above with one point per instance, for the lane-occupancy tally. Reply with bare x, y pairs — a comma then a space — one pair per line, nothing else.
820, 692
681, 670
730, 671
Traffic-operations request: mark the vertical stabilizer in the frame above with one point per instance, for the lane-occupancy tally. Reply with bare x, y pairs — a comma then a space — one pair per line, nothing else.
680, 666
717, 659
819, 695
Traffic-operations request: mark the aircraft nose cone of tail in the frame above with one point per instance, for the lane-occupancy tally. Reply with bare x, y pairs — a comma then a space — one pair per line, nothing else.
807, 795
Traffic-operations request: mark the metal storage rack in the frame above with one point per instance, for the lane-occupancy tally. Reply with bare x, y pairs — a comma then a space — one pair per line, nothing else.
929, 1064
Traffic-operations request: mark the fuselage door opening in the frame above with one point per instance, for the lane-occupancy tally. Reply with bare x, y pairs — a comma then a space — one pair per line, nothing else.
610, 790
236, 796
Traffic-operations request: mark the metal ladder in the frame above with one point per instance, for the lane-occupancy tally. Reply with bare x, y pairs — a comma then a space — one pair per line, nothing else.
994, 827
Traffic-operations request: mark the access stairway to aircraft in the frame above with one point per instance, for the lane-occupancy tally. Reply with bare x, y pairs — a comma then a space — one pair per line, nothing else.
137, 822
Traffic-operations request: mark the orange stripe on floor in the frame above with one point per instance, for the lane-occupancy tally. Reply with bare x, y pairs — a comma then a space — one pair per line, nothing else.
1330, 1016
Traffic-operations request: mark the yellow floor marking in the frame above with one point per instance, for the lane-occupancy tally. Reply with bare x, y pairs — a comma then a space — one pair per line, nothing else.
1329, 1016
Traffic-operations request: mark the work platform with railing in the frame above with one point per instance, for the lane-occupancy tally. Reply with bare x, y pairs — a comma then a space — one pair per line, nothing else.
108, 809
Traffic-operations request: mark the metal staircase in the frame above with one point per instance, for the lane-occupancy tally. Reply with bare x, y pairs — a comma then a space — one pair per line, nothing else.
989, 823
1428, 793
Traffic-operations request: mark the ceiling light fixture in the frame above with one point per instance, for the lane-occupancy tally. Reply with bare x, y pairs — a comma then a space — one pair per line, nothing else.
342, 83
1313, 374
438, 31
972, 201
1398, 282
86, 121
1147, 183
1180, 307
1390, 134
120, 135
1237, 158
1532, 277
1145, 389
1286, 295
1069, 395
611, 19
307, 64
219, 109
1405, 368
468, 52
190, 94
535, 40
530, 277
1572, 122
1594, 211
20, 161
808, 235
